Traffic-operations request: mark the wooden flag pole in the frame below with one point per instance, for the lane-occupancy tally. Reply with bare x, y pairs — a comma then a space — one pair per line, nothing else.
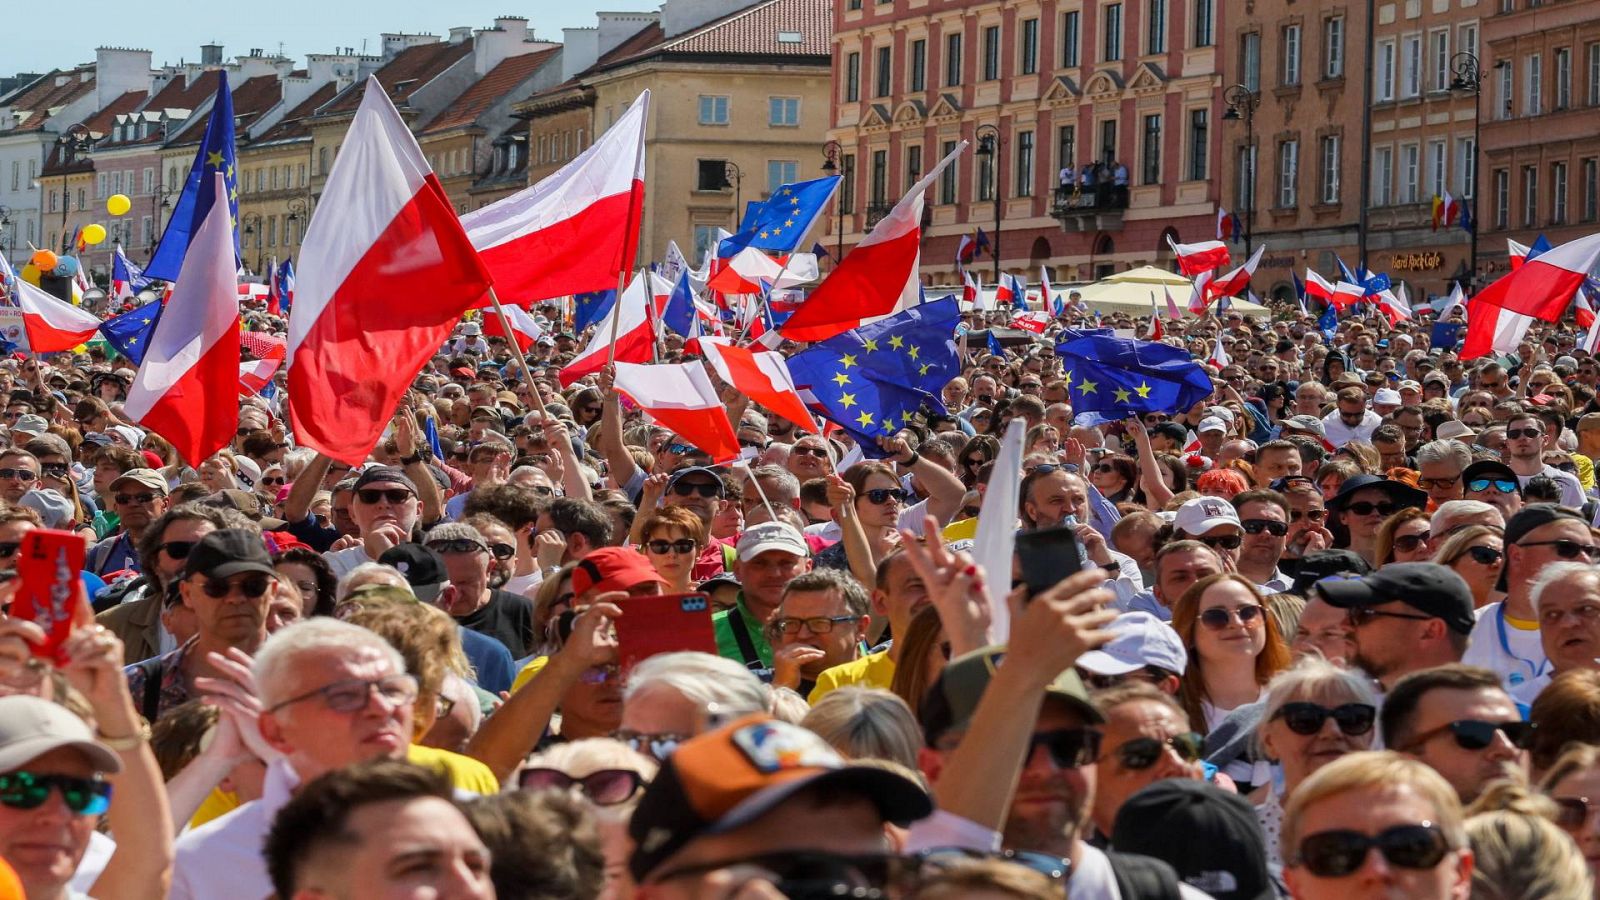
516, 348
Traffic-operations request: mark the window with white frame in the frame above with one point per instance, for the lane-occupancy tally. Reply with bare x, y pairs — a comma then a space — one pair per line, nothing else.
1507, 90
713, 109
1155, 21
1199, 129
1382, 176
1410, 173
1558, 193
1028, 59
1467, 38
1411, 65
1502, 198
1330, 168
1533, 100
1111, 34
1250, 59
1466, 167
1437, 171
1333, 47
1150, 151
1439, 59
1024, 186
1289, 41
1383, 72
1530, 196
1071, 39
1288, 173
991, 53
781, 172
1564, 78
783, 112
1205, 23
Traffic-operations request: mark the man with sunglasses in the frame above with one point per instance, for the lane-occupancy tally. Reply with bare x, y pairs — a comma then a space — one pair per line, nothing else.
386, 508
1525, 434
138, 496
1146, 739
1459, 721
1506, 640
1403, 618
1264, 519
474, 604
1441, 464
1495, 483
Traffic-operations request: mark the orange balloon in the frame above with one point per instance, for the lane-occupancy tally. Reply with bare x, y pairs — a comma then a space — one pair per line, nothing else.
45, 260
10, 884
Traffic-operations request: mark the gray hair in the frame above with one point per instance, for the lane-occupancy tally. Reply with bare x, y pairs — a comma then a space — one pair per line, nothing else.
279, 655
783, 489
852, 592
453, 531
753, 419
1313, 676
867, 722
365, 574
701, 678
1444, 451
1459, 509
1554, 574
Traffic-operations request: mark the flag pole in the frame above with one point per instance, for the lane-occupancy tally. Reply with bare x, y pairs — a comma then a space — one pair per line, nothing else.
750, 470
516, 348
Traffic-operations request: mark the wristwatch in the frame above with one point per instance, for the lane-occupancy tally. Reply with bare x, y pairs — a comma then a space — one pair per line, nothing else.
416, 457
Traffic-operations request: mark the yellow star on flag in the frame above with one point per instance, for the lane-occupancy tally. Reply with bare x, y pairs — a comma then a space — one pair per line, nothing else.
1086, 387
1121, 395
841, 379
905, 415
888, 424
1067, 380
788, 223
1143, 389
865, 419
924, 369
871, 345
897, 342
847, 361
214, 158
847, 400
913, 352
794, 201
765, 234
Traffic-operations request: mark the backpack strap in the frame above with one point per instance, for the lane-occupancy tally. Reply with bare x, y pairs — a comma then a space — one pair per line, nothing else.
1143, 877
150, 697
747, 647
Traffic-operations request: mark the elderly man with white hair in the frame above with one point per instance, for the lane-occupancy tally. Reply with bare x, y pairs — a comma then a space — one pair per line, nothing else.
1440, 464
1566, 596
1454, 515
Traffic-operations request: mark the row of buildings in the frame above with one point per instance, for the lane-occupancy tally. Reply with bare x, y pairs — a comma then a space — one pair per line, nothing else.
1327, 127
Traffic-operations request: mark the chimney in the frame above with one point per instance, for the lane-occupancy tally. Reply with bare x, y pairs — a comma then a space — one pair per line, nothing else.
210, 54
118, 70
460, 33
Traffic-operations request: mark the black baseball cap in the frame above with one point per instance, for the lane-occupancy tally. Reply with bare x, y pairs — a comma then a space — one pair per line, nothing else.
383, 474
228, 552
1490, 468
1223, 851
1426, 587
1322, 564
1530, 517
423, 568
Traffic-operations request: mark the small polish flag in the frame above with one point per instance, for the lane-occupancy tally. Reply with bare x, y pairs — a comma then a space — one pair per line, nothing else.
1219, 357
1235, 282
1172, 306
1202, 257
1346, 295
682, 398
523, 328
763, 376
1317, 286
50, 324
1541, 290
634, 334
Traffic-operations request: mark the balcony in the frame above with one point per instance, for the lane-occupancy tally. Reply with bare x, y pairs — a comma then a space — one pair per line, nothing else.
1098, 208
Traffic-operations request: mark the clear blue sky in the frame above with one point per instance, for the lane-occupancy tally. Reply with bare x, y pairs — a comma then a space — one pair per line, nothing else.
174, 29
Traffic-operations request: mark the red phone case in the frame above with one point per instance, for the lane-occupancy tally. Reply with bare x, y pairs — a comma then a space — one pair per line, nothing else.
663, 624
49, 591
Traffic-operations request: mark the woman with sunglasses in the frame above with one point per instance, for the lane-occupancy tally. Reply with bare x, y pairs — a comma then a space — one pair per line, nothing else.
1403, 537
1234, 647
1116, 477
1573, 782
1477, 554
979, 450
673, 539
611, 776
1314, 713
877, 505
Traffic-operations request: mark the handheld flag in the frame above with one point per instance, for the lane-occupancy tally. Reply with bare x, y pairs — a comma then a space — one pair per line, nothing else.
994, 345
1219, 357
680, 312
763, 376
1119, 377
129, 333
52, 325
1234, 283
1541, 290
127, 279
1202, 257
1328, 322
781, 223
286, 284
590, 308
524, 330
633, 331
995, 544
1317, 286
215, 154
682, 398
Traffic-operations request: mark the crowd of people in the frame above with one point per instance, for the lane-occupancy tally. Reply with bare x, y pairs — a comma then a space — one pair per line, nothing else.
1336, 634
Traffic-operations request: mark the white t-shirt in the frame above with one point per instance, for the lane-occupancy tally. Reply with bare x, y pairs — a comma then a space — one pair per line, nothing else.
1515, 654
525, 585
342, 561
1571, 487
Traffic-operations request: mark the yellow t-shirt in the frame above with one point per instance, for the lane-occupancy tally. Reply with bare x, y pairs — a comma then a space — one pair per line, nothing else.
875, 670
964, 530
534, 667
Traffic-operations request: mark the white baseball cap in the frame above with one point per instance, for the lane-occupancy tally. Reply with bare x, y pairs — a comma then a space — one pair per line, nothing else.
1386, 397
1211, 423
1200, 515
1141, 640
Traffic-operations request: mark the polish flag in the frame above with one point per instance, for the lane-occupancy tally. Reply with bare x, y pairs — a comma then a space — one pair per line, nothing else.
257, 374
253, 290
575, 230
1005, 293
1582, 310
631, 315
1156, 331
1518, 253
1394, 306
52, 325
1047, 294
751, 271
1200, 297
1234, 283
1035, 321
1541, 289
1222, 221
1317, 286
878, 278
1456, 298
1202, 257
1346, 295
388, 273
682, 398
523, 328
1219, 357
763, 376
186, 390
970, 289
1172, 306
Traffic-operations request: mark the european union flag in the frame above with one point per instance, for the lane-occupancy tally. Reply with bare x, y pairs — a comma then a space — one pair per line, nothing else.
780, 224
872, 380
129, 333
1118, 377
1328, 322
587, 309
680, 312
1446, 335
216, 154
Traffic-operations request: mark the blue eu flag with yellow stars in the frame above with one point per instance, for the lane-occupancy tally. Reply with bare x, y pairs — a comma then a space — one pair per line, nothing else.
1119, 377
780, 224
872, 380
216, 154
129, 333
587, 309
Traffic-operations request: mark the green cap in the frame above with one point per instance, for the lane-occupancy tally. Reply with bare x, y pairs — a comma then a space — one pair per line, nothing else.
954, 697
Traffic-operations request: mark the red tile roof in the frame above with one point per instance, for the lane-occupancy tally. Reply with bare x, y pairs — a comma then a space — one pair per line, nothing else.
755, 29
46, 95
644, 39
104, 121
500, 80
292, 125
409, 70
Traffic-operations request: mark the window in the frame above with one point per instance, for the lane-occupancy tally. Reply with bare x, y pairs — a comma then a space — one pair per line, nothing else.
952, 60
985, 179
272, 231
1467, 40
713, 110
100, 184
947, 177
1071, 27
1411, 65
847, 183
991, 53
1382, 176
1333, 47
1108, 141
16, 173
1530, 196
1564, 78
1066, 146
1502, 198
1250, 60
55, 201
1591, 189
914, 164
1383, 72
150, 179
1150, 159
783, 112
1436, 168
919, 65
1507, 92
1533, 103
852, 77
1439, 59
1290, 42
1155, 34
1410, 173
272, 175
1558, 193
880, 177
322, 165
1330, 169
1592, 82
711, 175
781, 172
1205, 23
144, 231
882, 76
82, 200
1288, 172
1199, 144
1024, 164
1466, 168
1028, 60
1111, 36
705, 236
302, 171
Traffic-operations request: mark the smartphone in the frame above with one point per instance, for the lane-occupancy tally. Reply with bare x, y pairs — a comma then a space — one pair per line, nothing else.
1048, 556
666, 623
49, 591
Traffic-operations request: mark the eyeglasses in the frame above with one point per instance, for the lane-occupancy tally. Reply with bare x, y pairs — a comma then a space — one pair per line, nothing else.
1143, 752
1103, 468
880, 496
26, 790
456, 545
1308, 718
590, 410
1270, 526
1487, 556
1573, 812
1408, 543
1335, 854
703, 488
1429, 483
656, 746
55, 470
817, 452
607, 787
1069, 748
682, 546
353, 695
679, 449
141, 499
1515, 433
542, 490
19, 474
1565, 549
1476, 734
251, 586
394, 496
1503, 485
1220, 542
1364, 508
1361, 615
1216, 618
177, 549
1313, 515
814, 624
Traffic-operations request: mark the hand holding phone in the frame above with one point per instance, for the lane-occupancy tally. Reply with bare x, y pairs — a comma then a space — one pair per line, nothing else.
49, 593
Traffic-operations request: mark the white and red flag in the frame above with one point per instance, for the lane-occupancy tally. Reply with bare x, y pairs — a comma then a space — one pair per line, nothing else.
1156, 331
524, 330
1173, 312
1202, 257
1540, 290
1033, 320
1219, 357
1318, 287
1200, 296
1346, 295
634, 335
682, 398
187, 387
763, 376
389, 271
52, 324
1234, 283
575, 230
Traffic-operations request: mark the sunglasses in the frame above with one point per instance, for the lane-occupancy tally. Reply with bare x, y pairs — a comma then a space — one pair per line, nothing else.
1476, 734
1566, 549
1515, 433
1069, 748
1487, 556
880, 496
1314, 515
1216, 618
394, 496
656, 746
457, 545
1503, 485
125, 499
177, 549
1103, 468
679, 449
274, 481
55, 470
1143, 752
1308, 718
1408, 543
753, 445
1221, 542
817, 452
502, 551
1256, 526
607, 787
703, 488
681, 546
1429, 483
1573, 812
19, 474
1364, 508
1335, 854
251, 586
84, 796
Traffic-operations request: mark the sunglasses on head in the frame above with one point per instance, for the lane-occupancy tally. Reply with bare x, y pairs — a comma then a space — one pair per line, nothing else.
1216, 618
1308, 718
1476, 734
1566, 549
1365, 508
395, 496
703, 488
252, 586
457, 545
26, 790
1270, 526
1069, 748
1335, 854
680, 546
1503, 485
607, 787
1143, 752
880, 496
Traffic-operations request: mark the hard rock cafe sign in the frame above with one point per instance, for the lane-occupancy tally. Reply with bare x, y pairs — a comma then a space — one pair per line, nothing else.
1425, 261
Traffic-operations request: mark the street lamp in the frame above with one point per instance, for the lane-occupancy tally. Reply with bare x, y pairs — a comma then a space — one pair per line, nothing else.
830, 166
1242, 103
1469, 79
252, 225
733, 176
989, 147
7, 242
297, 212
75, 140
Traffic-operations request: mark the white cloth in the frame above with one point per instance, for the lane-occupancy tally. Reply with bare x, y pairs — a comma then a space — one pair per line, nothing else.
946, 829
525, 585
1277, 584
1340, 434
1571, 487
222, 858
342, 561
94, 860
1517, 658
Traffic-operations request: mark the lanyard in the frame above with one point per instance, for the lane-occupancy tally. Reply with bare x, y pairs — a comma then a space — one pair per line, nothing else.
1505, 644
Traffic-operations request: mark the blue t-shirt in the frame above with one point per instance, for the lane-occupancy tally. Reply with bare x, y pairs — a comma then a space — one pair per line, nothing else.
489, 658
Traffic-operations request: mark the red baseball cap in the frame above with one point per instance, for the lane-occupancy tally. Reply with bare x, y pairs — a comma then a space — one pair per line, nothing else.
613, 569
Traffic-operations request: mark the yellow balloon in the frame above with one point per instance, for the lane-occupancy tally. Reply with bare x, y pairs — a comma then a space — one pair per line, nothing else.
94, 234
118, 204
30, 274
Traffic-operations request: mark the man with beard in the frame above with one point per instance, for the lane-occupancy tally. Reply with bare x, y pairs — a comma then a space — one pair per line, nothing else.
1403, 618
1461, 723
506, 617
1351, 420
